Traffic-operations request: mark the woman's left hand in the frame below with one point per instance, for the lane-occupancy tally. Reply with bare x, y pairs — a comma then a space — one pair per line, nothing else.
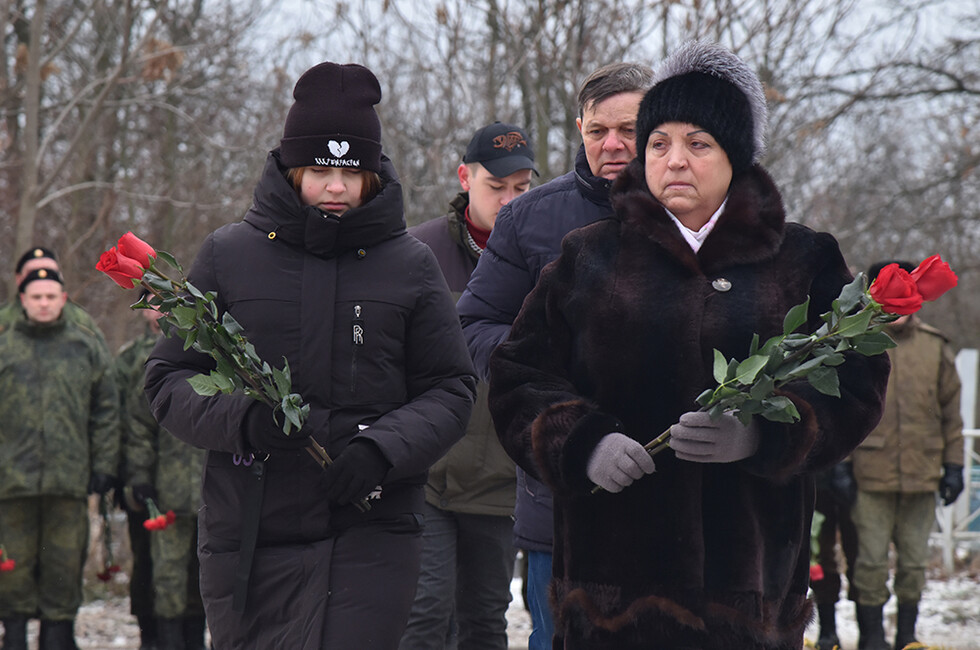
699, 438
356, 472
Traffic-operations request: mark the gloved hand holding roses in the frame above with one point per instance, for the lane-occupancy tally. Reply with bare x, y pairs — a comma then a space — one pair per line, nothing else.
699, 438
617, 461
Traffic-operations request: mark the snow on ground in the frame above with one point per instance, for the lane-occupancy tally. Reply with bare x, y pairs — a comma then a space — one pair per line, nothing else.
949, 617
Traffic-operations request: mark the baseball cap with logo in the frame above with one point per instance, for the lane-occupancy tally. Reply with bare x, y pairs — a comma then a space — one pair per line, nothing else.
502, 148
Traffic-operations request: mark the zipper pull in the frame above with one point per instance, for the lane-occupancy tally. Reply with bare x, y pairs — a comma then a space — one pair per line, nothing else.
358, 326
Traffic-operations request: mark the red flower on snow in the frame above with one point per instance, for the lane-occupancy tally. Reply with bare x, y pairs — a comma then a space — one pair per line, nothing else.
6, 564
816, 573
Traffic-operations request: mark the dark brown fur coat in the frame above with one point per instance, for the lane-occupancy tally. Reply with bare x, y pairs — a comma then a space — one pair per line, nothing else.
618, 336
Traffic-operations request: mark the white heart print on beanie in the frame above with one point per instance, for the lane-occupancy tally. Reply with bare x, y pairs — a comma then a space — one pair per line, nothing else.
338, 149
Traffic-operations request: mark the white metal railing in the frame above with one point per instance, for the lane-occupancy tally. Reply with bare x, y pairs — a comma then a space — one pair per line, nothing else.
960, 522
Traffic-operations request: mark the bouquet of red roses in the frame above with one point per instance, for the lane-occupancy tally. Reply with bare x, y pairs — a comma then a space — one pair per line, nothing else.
194, 316
748, 387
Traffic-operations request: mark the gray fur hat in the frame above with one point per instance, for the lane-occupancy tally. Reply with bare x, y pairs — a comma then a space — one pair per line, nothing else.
706, 84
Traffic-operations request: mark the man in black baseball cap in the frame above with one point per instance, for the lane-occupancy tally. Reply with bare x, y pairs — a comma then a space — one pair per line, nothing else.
502, 148
496, 167
471, 490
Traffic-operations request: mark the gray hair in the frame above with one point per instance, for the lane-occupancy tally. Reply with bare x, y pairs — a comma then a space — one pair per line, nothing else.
613, 79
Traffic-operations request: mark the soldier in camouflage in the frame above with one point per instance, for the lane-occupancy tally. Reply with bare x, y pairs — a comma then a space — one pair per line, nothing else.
161, 467
59, 443
129, 378
40, 257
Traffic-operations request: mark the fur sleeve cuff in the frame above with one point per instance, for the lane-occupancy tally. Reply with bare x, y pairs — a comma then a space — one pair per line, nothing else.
784, 448
583, 427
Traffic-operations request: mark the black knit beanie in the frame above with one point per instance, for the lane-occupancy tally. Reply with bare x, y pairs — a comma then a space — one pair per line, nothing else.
333, 123
706, 85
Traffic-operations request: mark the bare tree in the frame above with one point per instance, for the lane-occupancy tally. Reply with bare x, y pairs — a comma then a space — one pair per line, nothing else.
155, 116
131, 115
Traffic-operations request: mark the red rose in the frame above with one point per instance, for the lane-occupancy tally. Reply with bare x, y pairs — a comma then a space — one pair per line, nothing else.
896, 291
7, 565
126, 261
136, 249
151, 524
933, 278
816, 573
171, 517
124, 271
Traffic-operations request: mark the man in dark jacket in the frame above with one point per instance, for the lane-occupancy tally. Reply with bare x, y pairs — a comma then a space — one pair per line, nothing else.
467, 549
59, 443
526, 237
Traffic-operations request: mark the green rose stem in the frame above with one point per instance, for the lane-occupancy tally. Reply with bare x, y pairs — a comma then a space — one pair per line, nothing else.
878, 318
197, 323
748, 388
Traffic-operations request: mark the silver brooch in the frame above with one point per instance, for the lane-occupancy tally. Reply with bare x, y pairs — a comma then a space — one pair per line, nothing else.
721, 284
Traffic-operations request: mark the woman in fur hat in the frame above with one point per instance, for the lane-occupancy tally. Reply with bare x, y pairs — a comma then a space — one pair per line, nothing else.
321, 272
706, 546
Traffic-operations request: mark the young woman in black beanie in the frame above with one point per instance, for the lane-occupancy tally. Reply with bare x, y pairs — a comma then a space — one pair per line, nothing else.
321, 272
707, 545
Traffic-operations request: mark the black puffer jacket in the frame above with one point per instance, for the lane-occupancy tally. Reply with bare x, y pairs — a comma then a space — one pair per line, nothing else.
295, 278
526, 236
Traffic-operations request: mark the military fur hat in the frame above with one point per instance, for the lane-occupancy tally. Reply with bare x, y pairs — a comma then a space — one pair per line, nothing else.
706, 84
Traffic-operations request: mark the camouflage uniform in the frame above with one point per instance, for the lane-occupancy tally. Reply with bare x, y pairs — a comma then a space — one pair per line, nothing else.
155, 457
11, 312
129, 374
59, 408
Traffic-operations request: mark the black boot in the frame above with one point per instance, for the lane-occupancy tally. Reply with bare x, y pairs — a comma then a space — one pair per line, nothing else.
170, 634
15, 633
828, 627
194, 627
148, 632
871, 629
57, 635
905, 635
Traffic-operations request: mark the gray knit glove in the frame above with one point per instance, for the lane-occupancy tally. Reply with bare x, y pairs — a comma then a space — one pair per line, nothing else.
617, 461
700, 439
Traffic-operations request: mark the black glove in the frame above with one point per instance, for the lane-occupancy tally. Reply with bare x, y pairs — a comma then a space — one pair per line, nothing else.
357, 471
100, 483
142, 492
951, 484
263, 433
842, 486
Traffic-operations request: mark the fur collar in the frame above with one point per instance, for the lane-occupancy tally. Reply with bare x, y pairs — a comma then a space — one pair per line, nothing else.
748, 231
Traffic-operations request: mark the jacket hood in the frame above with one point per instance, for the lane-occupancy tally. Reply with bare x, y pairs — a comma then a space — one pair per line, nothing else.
749, 230
277, 210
